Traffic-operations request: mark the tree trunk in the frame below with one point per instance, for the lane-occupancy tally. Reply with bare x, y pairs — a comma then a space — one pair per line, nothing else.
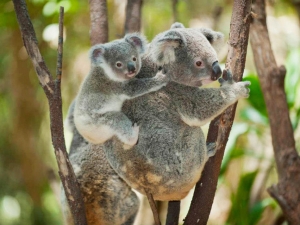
53, 92
271, 77
133, 16
220, 127
99, 22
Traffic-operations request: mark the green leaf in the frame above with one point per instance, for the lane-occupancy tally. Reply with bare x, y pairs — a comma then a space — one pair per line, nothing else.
239, 213
258, 209
256, 98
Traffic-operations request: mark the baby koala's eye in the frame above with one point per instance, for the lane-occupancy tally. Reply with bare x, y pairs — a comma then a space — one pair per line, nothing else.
134, 59
198, 63
118, 64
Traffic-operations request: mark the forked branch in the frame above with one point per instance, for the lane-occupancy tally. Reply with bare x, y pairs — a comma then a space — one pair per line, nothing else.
53, 92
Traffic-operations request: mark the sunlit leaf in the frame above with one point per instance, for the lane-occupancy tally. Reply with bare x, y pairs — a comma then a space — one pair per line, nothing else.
256, 98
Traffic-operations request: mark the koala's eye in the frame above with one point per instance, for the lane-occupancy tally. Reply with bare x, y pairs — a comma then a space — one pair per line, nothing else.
118, 64
134, 59
198, 63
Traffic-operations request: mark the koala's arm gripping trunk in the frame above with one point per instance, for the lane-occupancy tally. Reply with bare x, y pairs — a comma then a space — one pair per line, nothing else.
199, 106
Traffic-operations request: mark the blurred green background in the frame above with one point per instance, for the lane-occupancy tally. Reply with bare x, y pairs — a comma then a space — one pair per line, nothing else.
29, 184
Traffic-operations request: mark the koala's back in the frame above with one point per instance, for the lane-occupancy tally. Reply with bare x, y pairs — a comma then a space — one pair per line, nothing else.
167, 160
108, 199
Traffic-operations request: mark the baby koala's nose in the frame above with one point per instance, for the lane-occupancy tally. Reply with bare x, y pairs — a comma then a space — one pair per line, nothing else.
131, 67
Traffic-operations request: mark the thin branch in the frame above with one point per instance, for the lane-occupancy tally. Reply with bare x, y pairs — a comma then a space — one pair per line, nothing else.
60, 44
99, 22
53, 93
133, 16
175, 11
271, 78
220, 127
173, 213
153, 208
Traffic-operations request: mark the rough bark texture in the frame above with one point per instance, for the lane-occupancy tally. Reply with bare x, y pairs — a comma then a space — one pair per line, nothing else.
99, 22
220, 127
53, 93
153, 208
133, 16
271, 77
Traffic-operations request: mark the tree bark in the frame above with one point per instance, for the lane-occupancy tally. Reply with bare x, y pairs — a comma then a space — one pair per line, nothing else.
133, 16
271, 77
220, 127
53, 92
99, 22
173, 212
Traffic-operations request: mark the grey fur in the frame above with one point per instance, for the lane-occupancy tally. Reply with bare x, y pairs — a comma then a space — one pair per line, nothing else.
170, 155
108, 199
110, 82
171, 152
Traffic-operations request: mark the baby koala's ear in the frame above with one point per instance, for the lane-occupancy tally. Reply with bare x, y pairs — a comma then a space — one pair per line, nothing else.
137, 40
216, 39
163, 47
97, 54
177, 25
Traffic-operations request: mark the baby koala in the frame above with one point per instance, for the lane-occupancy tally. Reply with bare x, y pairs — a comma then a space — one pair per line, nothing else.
110, 82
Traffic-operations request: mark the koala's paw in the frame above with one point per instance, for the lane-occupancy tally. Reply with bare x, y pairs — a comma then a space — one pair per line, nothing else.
211, 149
227, 78
133, 139
242, 88
162, 76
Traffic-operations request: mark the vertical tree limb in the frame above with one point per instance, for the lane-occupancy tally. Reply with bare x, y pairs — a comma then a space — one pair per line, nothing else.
133, 16
53, 92
271, 77
220, 127
173, 213
175, 11
99, 22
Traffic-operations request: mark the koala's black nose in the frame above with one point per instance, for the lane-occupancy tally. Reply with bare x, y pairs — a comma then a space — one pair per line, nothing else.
131, 67
216, 71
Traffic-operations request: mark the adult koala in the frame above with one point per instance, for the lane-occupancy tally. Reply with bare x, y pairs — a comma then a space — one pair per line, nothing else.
171, 151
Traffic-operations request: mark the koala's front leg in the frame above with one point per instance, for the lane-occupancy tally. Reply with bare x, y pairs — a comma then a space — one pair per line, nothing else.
137, 87
201, 105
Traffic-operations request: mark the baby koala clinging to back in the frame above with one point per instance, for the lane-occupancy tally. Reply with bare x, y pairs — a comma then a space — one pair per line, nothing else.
110, 82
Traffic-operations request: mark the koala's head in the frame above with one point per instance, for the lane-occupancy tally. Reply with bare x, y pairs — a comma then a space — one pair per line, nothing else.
188, 54
120, 59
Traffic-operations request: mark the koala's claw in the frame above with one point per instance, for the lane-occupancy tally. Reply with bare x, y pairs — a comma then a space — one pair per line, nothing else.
221, 81
226, 78
211, 149
227, 75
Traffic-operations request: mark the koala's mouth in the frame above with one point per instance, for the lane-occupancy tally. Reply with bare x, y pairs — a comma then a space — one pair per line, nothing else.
130, 74
206, 81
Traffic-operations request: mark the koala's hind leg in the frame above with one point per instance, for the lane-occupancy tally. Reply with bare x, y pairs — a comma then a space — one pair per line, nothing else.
211, 149
122, 127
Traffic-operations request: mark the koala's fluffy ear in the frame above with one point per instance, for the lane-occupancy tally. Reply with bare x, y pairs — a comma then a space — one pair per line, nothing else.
137, 40
163, 51
97, 54
216, 39
177, 25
